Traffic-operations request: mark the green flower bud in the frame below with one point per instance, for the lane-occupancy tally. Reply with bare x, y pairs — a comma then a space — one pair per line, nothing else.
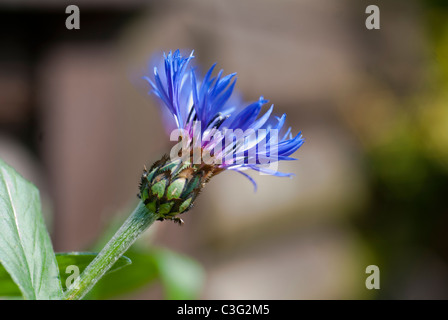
170, 187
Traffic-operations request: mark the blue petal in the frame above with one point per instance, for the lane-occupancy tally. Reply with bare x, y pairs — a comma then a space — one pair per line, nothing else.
288, 147
271, 172
211, 101
248, 177
260, 122
248, 115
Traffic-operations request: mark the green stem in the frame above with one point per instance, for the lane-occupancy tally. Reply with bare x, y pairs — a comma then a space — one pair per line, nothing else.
132, 228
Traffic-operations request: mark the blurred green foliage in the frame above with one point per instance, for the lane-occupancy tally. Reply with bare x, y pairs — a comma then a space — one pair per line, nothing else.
181, 277
407, 172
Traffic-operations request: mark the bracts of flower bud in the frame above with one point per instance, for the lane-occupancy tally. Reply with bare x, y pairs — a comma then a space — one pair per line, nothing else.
170, 187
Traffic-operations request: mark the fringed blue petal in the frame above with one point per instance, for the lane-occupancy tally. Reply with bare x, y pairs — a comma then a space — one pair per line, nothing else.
211, 100
271, 172
248, 177
247, 116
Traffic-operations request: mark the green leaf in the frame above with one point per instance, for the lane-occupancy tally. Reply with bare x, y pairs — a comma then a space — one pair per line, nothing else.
25, 246
8, 287
181, 276
82, 260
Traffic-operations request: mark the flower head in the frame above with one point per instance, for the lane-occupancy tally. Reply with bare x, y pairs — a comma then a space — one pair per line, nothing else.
215, 132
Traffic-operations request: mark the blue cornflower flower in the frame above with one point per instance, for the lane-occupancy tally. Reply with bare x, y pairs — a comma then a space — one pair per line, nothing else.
211, 121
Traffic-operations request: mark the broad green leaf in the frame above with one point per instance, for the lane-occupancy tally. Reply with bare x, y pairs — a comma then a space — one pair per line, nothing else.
81, 260
26, 251
182, 277
8, 287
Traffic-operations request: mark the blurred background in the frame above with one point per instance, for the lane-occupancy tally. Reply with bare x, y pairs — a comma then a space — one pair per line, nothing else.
371, 181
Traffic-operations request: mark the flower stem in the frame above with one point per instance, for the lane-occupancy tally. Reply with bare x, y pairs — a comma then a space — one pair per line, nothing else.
129, 232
